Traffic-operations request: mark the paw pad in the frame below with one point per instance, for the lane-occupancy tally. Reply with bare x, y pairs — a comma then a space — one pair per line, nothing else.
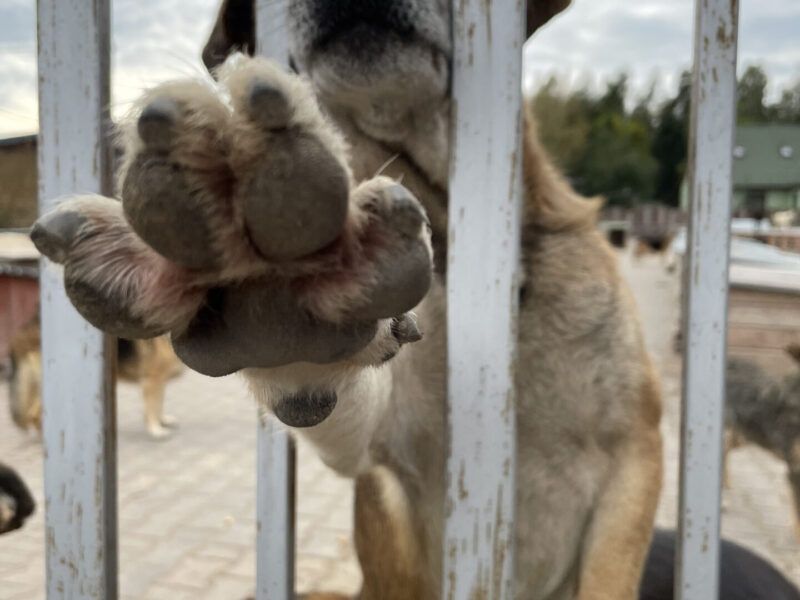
241, 233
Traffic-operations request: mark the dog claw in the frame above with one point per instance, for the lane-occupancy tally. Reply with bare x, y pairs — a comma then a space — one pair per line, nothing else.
156, 123
54, 233
405, 329
269, 105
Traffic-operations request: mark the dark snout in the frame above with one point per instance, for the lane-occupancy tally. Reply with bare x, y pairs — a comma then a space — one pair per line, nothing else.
335, 18
234, 31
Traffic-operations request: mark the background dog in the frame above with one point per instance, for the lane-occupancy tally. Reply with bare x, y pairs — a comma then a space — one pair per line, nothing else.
150, 363
16, 502
765, 411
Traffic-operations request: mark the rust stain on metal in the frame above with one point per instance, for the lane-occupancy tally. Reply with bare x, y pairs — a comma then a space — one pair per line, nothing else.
487, 9
501, 545
724, 38
463, 494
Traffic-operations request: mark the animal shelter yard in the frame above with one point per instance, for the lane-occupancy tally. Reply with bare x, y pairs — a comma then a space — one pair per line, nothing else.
187, 504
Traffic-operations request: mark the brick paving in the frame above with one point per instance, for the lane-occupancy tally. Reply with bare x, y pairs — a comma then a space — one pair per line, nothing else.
187, 504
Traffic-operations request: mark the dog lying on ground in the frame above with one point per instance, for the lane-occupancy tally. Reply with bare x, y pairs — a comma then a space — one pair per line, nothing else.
16, 502
764, 411
254, 230
151, 363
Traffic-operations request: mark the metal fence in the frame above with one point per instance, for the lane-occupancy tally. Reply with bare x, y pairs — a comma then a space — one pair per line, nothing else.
79, 403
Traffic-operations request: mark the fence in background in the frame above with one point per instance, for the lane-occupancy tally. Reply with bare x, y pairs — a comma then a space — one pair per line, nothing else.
79, 404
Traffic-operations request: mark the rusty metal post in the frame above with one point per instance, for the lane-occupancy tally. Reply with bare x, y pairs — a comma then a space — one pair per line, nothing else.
706, 300
77, 388
482, 298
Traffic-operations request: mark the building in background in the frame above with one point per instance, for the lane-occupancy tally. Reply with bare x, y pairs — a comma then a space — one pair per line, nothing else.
766, 171
18, 191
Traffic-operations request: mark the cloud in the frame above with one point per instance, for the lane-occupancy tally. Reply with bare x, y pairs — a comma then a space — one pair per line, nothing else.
593, 41
149, 46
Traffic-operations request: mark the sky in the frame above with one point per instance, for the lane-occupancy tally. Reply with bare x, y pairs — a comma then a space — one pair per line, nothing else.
593, 41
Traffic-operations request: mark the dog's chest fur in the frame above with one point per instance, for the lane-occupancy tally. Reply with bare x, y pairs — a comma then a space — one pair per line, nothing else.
569, 418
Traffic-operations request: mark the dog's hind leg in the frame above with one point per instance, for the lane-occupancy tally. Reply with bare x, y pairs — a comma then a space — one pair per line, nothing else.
618, 536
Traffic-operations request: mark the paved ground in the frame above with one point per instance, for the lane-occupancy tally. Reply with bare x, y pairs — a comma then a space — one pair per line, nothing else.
187, 504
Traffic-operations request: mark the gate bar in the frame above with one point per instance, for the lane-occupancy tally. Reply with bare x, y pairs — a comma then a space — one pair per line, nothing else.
706, 303
482, 297
79, 420
275, 510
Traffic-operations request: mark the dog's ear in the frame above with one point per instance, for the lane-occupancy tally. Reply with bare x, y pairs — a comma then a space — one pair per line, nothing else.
235, 30
793, 350
541, 11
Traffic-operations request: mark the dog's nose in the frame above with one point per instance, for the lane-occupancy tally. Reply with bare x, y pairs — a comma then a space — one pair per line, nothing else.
334, 17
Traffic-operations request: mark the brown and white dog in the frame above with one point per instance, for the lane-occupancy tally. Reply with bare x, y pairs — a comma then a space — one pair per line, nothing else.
253, 229
151, 363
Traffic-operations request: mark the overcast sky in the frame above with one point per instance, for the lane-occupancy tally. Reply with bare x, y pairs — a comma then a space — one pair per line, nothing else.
591, 42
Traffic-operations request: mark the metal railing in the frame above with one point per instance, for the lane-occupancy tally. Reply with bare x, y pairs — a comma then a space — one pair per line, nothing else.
78, 391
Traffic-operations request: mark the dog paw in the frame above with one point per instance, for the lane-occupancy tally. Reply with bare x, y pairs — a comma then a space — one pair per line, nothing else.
158, 431
241, 232
169, 422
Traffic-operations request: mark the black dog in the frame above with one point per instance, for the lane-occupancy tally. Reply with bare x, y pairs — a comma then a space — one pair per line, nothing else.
743, 575
16, 502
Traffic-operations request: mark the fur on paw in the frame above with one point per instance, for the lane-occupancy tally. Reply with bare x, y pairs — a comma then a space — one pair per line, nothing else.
241, 232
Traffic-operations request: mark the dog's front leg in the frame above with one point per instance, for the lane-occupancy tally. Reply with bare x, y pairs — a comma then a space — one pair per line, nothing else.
618, 536
337, 408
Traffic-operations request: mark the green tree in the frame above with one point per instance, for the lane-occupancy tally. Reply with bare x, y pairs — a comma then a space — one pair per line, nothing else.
562, 122
751, 92
617, 162
787, 109
670, 142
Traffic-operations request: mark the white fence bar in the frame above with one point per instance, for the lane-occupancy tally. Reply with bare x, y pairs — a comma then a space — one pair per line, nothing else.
77, 388
275, 512
276, 455
706, 304
482, 298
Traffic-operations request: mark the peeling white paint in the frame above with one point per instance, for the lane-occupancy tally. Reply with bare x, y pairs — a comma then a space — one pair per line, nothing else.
482, 297
77, 388
706, 301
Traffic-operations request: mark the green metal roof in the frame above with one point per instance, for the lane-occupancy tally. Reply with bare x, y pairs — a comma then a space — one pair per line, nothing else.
767, 156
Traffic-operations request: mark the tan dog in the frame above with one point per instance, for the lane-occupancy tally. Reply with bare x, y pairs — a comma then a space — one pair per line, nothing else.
316, 315
151, 363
